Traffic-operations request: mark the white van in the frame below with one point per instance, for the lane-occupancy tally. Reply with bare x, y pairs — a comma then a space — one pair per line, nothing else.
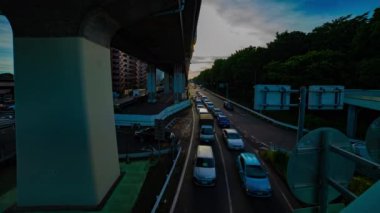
202, 111
204, 166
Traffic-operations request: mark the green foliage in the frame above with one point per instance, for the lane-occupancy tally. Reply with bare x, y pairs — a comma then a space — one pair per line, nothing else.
278, 159
344, 51
315, 67
369, 73
360, 184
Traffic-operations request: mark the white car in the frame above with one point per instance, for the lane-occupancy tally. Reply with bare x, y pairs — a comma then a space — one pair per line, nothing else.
233, 139
204, 172
199, 107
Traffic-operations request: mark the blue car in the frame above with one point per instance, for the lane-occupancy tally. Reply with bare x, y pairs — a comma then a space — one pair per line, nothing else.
223, 121
254, 177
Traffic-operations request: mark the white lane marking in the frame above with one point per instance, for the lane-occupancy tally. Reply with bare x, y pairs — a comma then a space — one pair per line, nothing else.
179, 187
287, 201
225, 175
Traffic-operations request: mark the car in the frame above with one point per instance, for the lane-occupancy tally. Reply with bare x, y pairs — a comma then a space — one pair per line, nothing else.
147, 135
198, 100
228, 105
254, 177
233, 139
223, 121
204, 172
200, 106
209, 105
203, 111
216, 111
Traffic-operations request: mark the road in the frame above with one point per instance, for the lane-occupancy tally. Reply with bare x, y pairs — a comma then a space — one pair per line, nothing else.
228, 195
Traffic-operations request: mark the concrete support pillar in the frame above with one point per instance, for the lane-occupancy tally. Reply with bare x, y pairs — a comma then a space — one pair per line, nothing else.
151, 84
65, 134
179, 83
352, 119
166, 83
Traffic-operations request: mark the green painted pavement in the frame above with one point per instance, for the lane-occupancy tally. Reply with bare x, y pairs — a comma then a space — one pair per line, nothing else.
123, 197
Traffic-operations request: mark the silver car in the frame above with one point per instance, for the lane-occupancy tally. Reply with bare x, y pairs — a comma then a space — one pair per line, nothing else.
233, 139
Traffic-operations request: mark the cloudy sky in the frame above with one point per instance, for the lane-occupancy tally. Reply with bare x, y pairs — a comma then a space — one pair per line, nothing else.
6, 46
225, 26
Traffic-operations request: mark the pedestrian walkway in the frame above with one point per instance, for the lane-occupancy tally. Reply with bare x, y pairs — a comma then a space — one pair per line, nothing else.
123, 197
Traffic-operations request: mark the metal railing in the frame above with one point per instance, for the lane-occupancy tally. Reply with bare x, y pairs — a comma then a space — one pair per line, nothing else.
168, 177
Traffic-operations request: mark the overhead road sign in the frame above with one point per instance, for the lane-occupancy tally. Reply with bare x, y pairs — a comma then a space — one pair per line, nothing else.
272, 97
323, 97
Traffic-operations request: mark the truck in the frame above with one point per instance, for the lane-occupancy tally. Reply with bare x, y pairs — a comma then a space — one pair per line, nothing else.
206, 128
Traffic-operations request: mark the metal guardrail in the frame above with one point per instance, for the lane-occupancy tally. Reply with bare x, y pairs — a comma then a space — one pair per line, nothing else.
289, 126
148, 120
5, 123
168, 177
276, 122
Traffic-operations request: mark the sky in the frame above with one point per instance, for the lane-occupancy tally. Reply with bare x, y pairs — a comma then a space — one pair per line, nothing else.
225, 26
6, 46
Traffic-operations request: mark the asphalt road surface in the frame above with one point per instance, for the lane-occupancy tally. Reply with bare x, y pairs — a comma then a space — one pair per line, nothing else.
228, 195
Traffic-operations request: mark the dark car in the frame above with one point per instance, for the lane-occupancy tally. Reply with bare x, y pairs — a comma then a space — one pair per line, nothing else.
223, 121
147, 135
228, 106
216, 111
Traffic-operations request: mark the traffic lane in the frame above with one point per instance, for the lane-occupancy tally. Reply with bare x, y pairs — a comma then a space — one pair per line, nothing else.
241, 202
195, 198
261, 130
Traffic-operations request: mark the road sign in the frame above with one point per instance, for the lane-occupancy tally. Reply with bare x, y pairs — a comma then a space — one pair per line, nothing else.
311, 160
373, 140
326, 97
272, 97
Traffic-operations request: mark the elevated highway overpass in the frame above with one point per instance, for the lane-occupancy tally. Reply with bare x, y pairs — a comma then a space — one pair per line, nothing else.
65, 135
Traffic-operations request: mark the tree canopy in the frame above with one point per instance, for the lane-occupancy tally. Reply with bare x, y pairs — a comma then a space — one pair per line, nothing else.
345, 51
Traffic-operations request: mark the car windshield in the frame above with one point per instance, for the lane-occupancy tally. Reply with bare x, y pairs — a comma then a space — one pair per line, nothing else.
207, 131
255, 171
205, 162
233, 136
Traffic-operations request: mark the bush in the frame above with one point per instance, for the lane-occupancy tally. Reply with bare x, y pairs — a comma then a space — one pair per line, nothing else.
277, 159
360, 184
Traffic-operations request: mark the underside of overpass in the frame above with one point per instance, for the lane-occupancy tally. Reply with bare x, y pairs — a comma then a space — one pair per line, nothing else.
65, 132
160, 32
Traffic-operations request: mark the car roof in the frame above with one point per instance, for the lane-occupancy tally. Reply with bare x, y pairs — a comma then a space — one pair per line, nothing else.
231, 130
204, 151
250, 158
203, 110
222, 116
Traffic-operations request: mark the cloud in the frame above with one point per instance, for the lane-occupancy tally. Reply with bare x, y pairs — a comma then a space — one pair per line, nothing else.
266, 17
205, 59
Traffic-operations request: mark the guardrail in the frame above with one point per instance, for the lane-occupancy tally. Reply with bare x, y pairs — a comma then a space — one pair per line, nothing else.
276, 122
148, 120
168, 177
5, 123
